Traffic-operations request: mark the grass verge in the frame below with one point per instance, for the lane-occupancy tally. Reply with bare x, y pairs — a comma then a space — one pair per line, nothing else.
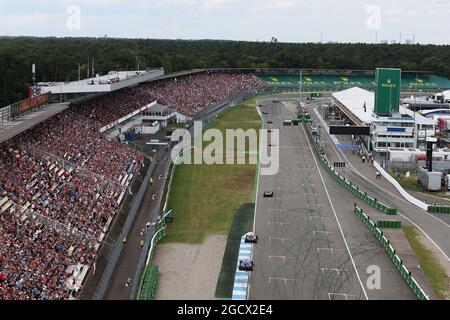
410, 184
430, 265
205, 197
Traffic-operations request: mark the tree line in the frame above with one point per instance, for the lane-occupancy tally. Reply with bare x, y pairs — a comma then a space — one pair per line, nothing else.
57, 59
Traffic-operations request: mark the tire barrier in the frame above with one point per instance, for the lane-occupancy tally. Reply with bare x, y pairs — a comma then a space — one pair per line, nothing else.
304, 118
389, 224
406, 275
439, 209
344, 182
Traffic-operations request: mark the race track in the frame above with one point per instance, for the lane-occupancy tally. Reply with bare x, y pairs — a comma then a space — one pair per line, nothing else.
311, 245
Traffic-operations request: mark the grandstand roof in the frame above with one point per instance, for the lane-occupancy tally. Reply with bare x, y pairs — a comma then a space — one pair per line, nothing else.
178, 74
354, 99
13, 128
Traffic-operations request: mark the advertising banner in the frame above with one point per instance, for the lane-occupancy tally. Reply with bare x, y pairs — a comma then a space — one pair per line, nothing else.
387, 94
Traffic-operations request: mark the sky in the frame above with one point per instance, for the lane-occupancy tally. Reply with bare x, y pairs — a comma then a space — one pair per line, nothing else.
426, 21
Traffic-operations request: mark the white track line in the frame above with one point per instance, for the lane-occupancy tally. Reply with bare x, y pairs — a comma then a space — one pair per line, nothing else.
335, 215
257, 186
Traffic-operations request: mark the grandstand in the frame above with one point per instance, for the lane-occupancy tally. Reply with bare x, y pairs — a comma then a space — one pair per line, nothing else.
311, 82
62, 182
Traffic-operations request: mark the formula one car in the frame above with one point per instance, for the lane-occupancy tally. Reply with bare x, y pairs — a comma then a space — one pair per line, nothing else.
246, 265
251, 238
265, 112
268, 194
269, 121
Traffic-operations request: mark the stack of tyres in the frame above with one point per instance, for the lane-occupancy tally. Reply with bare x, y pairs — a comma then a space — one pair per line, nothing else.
393, 224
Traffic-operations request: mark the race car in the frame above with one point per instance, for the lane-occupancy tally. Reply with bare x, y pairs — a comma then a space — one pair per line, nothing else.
251, 238
246, 265
268, 194
265, 112
269, 121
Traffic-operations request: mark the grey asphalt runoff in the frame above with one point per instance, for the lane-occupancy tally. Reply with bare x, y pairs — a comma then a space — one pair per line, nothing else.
301, 253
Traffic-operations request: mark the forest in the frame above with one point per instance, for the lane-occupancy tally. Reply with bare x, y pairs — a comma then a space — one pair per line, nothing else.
57, 59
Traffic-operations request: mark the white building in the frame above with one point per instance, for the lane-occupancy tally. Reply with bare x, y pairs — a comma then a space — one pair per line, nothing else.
146, 120
405, 129
80, 90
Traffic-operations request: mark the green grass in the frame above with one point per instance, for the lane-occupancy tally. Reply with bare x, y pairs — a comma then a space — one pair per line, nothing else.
430, 265
204, 198
410, 184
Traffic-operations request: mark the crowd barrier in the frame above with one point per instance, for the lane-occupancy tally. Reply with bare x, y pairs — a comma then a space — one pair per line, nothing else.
345, 183
149, 279
406, 275
149, 283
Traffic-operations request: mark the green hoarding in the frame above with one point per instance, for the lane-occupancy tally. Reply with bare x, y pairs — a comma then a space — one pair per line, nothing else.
387, 95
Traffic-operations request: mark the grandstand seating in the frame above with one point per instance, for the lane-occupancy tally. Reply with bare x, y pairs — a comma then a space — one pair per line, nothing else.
187, 95
61, 191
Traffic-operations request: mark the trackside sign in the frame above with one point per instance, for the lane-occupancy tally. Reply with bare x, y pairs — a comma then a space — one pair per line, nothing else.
387, 95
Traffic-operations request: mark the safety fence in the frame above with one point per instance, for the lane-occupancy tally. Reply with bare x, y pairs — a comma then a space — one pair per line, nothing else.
149, 283
344, 182
406, 275
149, 280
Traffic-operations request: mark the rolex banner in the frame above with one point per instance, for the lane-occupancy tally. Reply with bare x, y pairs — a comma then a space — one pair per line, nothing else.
387, 95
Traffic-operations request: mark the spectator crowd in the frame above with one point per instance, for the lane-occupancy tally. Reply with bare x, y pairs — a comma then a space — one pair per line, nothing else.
81, 191
187, 95
66, 172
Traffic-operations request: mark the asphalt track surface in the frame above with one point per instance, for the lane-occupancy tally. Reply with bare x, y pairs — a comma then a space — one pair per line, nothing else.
436, 229
311, 246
